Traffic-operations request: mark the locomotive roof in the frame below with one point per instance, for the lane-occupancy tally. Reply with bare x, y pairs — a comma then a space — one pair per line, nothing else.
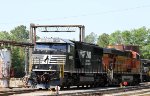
113, 51
84, 43
53, 40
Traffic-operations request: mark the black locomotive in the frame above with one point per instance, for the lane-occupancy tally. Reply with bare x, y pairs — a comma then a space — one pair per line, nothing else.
65, 63
145, 70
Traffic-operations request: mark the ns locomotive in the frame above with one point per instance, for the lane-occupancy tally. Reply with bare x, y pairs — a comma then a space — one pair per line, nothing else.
68, 63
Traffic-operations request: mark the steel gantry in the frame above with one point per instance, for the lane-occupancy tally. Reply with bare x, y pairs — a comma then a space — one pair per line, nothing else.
53, 28
56, 28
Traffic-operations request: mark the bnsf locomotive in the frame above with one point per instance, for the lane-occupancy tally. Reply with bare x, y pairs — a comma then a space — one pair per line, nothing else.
68, 63
122, 66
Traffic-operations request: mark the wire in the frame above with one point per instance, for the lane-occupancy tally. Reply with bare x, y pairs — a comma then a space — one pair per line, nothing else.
84, 15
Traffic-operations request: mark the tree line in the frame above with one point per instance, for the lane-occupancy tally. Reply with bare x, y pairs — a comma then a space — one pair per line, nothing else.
140, 36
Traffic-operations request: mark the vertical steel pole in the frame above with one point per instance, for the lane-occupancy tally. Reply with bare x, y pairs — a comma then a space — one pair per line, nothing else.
31, 33
34, 36
83, 33
30, 49
141, 69
80, 34
26, 61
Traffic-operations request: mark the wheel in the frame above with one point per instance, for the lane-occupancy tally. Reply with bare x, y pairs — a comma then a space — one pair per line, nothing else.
102, 82
87, 86
91, 85
95, 85
62, 87
68, 87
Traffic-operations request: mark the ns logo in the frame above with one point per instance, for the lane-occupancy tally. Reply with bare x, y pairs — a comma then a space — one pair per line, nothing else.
46, 59
85, 54
85, 57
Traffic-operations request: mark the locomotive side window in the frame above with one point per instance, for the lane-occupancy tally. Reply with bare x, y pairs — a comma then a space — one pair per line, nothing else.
70, 48
39, 46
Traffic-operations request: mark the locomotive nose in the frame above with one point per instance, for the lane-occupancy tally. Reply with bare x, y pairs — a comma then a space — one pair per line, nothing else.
46, 78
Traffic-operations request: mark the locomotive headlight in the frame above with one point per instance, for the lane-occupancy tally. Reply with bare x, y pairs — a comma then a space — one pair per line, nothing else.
50, 67
36, 66
71, 57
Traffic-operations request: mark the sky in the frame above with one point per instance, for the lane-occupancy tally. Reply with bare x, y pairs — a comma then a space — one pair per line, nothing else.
98, 16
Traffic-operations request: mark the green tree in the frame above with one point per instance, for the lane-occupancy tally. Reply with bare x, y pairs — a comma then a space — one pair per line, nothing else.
145, 44
18, 62
115, 38
91, 38
4, 35
145, 52
127, 35
140, 37
103, 40
19, 34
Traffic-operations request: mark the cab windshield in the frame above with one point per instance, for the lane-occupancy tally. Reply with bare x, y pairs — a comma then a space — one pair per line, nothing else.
52, 47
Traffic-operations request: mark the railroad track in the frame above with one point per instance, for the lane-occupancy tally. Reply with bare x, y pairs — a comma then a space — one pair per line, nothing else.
108, 91
76, 92
12, 91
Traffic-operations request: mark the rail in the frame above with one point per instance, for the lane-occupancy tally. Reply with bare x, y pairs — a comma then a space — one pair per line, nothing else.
109, 91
